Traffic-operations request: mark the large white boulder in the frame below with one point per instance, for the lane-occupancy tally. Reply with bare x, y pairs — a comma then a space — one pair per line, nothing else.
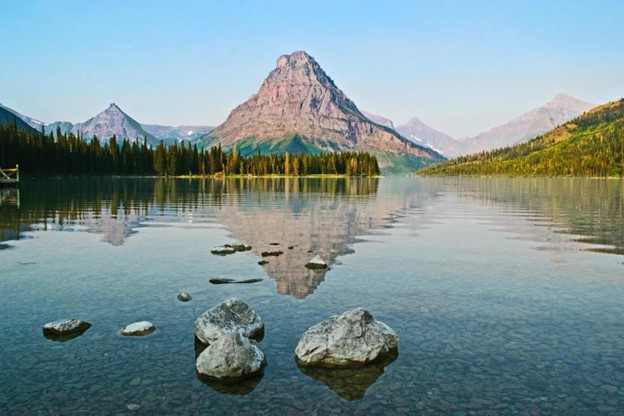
350, 339
232, 356
230, 316
138, 329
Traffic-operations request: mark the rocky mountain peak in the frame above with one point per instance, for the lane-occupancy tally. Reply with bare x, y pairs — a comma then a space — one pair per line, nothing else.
298, 102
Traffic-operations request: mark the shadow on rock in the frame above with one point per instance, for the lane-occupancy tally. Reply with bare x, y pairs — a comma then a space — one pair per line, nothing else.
234, 387
351, 383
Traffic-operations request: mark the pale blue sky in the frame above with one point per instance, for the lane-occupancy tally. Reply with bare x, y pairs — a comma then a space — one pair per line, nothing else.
460, 66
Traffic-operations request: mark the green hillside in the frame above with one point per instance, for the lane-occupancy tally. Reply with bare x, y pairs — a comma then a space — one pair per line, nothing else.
590, 145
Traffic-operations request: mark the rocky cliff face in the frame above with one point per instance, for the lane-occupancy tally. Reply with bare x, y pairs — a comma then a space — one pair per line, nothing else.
561, 109
113, 121
298, 99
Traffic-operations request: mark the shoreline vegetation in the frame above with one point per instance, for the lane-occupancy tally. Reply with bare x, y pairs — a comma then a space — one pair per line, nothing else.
41, 154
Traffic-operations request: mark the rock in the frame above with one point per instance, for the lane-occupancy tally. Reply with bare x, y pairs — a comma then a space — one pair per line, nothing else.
232, 356
184, 297
291, 247
263, 262
220, 281
272, 253
350, 339
133, 407
274, 244
65, 329
138, 329
223, 250
316, 263
238, 246
230, 316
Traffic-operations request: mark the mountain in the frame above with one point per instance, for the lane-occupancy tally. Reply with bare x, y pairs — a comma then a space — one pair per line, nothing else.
31, 122
382, 121
538, 121
298, 108
65, 127
113, 121
422, 134
8, 116
589, 145
171, 134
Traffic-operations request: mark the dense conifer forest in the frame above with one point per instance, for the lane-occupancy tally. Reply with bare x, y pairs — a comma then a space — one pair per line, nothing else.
70, 154
590, 145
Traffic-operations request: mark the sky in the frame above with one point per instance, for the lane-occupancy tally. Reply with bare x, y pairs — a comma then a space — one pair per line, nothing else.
460, 66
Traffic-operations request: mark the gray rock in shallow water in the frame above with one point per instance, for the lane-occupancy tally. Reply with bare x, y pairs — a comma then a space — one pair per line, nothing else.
350, 339
184, 297
138, 329
238, 246
230, 316
223, 250
317, 263
232, 356
65, 328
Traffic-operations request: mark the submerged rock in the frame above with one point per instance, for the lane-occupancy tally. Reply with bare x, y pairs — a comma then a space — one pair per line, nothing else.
238, 246
317, 263
222, 281
223, 250
272, 253
138, 329
65, 329
232, 356
184, 297
230, 316
350, 339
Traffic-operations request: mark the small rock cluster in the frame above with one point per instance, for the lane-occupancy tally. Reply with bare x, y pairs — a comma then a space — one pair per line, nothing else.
351, 339
230, 248
227, 328
66, 329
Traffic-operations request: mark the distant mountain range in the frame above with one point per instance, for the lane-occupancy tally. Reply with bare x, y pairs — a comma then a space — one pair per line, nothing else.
111, 121
560, 109
299, 109
589, 145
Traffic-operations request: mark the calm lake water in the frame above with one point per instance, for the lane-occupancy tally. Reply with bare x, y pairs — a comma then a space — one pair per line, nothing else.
507, 294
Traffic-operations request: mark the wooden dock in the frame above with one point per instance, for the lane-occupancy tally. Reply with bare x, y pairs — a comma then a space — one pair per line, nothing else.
9, 176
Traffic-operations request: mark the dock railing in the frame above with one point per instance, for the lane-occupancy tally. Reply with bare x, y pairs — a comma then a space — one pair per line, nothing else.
9, 175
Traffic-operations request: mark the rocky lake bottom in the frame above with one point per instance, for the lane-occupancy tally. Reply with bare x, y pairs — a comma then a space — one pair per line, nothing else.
507, 294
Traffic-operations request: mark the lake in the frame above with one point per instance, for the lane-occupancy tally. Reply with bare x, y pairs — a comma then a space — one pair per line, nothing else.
507, 294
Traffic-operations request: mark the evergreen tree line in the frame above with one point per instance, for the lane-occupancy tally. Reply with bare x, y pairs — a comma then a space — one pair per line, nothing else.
590, 145
70, 154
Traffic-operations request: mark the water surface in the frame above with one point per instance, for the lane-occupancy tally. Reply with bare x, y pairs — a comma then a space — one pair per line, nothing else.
507, 294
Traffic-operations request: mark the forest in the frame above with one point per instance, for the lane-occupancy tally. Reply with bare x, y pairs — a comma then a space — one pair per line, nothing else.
69, 154
590, 145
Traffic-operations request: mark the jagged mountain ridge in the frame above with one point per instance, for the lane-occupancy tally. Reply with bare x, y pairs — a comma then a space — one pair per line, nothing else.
299, 102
